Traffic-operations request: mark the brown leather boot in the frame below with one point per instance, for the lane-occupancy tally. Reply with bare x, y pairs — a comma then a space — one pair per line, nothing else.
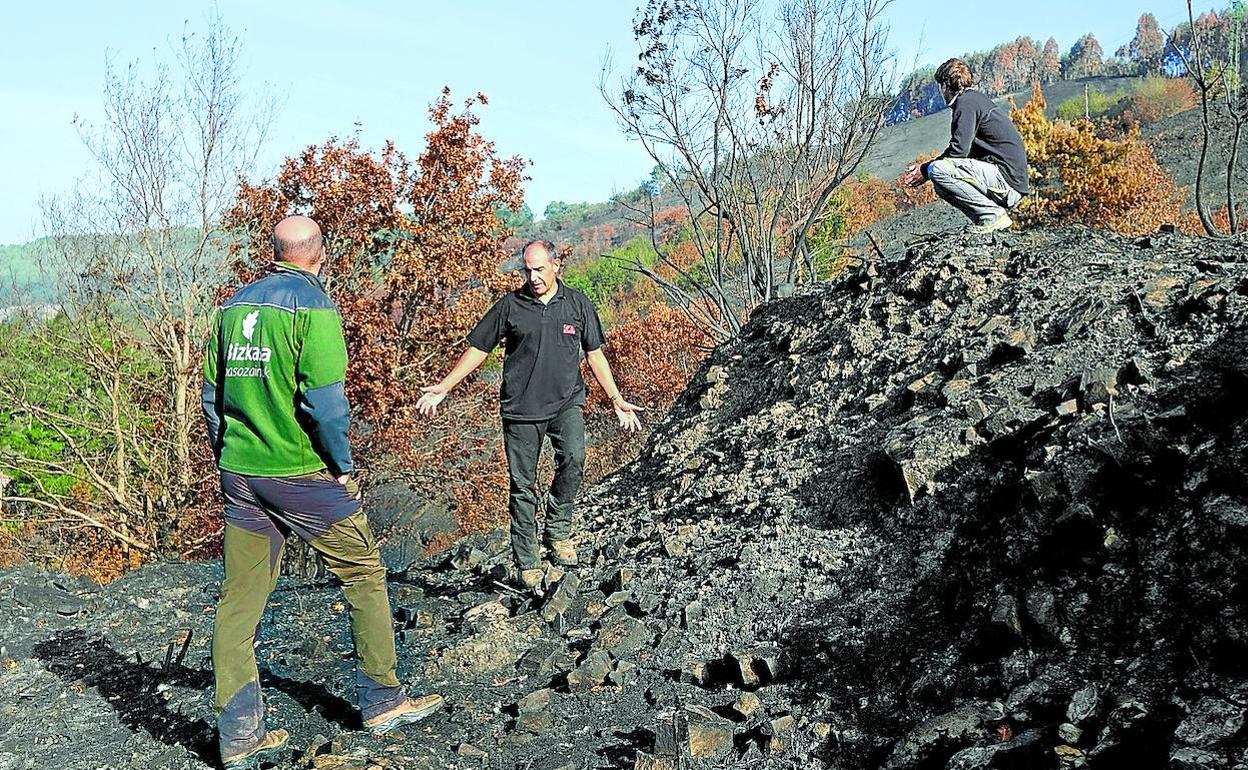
563, 553
272, 742
532, 578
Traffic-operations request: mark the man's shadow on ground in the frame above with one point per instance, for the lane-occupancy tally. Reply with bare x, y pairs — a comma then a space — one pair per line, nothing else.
130, 687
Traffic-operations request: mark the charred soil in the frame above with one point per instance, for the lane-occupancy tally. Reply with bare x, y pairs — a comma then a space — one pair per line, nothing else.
978, 503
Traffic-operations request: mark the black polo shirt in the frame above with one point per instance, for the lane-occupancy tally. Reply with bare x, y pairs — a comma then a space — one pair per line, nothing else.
544, 344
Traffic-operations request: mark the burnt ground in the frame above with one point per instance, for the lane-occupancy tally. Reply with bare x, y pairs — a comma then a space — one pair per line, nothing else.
979, 503
1177, 144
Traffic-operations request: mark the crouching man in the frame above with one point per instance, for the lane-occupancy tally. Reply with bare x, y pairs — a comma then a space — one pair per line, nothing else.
983, 171
278, 421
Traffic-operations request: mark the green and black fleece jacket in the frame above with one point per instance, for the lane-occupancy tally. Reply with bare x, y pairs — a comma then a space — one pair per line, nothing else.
274, 370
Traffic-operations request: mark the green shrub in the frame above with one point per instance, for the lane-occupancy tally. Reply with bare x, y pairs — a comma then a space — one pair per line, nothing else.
51, 365
50, 375
602, 278
1159, 97
1099, 104
515, 220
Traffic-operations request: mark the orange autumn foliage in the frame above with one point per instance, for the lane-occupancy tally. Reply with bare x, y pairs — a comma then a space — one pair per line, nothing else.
414, 254
1160, 98
864, 201
682, 257
1081, 175
652, 357
669, 221
593, 241
1190, 223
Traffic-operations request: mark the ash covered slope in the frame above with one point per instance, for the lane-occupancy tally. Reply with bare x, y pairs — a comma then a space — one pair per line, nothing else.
982, 489
979, 504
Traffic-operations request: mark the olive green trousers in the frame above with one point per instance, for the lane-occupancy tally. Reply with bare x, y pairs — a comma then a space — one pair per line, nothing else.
260, 513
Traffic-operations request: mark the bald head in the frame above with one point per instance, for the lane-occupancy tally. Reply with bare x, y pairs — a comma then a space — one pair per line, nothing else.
297, 240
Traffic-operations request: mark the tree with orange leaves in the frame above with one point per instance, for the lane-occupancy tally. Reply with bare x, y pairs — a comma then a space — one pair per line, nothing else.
655, 353
1081, 175
414, 257
1049, 68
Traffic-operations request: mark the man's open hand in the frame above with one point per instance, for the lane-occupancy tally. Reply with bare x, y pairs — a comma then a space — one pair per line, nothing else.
428, 403
912, 177
626, 413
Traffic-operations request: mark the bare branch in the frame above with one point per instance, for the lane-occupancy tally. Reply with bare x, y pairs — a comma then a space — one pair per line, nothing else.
136, 253
753, 113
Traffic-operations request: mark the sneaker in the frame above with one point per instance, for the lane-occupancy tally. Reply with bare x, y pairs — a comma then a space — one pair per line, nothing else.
410, 710
1002, 222
564, 552
272, 742
531, 578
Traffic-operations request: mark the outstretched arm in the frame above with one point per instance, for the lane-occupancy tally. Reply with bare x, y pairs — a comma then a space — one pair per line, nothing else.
433, 394
625, 412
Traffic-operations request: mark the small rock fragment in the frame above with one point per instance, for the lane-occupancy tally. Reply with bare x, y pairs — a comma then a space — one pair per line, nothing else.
1069, 733
709, 739
780, 725
538, 700
591, 672
747, 704
646, 761
1083, 705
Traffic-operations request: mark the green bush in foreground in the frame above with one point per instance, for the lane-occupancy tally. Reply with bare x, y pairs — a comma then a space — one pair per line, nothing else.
603, 278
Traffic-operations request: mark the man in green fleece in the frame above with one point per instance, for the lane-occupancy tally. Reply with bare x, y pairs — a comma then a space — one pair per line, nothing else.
278, 420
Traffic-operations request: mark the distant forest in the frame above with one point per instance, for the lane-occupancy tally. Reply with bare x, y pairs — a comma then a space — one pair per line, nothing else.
1015, 65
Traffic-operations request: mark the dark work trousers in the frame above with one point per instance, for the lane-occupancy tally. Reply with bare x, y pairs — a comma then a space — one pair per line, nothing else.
523, 443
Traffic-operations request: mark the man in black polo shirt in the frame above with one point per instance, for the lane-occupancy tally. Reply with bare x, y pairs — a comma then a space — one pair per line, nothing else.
545, 326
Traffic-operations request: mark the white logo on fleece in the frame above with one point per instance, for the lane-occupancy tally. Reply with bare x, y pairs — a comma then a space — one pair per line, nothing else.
249, 324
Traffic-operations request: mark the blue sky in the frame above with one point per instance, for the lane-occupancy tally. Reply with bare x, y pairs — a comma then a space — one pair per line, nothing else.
338, 65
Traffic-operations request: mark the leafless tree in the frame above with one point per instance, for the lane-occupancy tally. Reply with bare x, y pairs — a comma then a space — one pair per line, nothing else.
754, 112
136, 254
1215, 78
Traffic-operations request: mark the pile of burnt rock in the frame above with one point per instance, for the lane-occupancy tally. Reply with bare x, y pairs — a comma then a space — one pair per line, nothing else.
978, 503
984, 501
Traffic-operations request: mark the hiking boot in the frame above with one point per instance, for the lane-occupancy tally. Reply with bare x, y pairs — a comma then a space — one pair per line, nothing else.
564, 552
410, 710
1002, 222
532, 578
272, 742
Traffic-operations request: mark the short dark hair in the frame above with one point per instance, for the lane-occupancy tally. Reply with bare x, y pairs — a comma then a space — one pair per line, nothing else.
955, 75
301, 249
